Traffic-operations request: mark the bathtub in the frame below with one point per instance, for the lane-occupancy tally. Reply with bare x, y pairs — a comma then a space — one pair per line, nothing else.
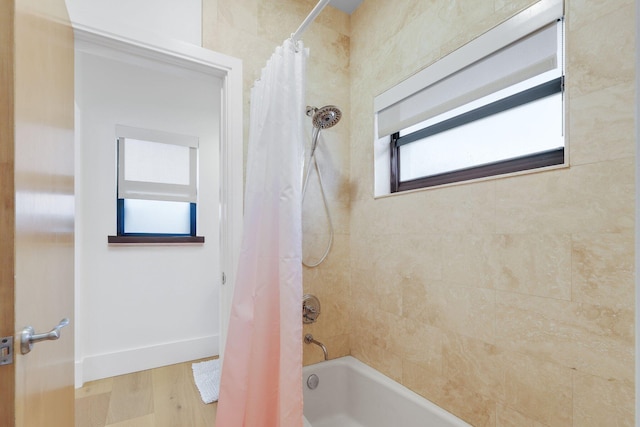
352, 394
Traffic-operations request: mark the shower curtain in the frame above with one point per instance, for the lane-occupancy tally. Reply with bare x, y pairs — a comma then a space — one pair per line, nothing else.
261, 384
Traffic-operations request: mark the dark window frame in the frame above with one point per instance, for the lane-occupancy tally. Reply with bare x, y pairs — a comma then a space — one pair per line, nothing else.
523, 163
123, 237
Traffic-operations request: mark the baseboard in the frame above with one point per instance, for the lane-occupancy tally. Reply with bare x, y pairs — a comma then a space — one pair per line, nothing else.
100, 366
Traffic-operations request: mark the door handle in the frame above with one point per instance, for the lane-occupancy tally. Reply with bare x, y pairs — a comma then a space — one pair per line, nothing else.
28, 337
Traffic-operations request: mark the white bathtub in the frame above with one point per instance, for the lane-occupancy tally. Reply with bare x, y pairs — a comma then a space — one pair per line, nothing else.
352, 394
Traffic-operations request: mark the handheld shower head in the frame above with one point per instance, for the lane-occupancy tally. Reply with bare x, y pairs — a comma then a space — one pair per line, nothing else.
322, 118
325, 117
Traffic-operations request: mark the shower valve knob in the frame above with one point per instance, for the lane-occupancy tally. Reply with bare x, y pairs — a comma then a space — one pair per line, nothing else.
310, 309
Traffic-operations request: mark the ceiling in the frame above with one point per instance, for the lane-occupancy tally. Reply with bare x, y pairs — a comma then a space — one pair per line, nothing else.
346, 5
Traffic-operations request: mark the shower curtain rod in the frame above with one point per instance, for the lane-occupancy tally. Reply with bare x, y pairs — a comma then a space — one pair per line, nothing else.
309, 19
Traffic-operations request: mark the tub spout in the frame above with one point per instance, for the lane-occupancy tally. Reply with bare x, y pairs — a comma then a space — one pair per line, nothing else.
309, 340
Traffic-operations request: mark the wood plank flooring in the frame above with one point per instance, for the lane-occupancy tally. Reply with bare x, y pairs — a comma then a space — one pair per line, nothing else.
161, 397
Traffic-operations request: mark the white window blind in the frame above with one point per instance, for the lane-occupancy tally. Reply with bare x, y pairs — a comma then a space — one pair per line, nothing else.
526, 46
155, 165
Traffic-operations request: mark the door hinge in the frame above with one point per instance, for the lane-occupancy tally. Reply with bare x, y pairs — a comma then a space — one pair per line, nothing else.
6, 351
224, 278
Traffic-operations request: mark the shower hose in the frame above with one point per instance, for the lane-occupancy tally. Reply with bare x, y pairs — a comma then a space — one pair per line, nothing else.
312, 160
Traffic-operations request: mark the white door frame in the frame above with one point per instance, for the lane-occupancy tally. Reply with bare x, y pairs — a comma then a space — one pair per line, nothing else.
229, 70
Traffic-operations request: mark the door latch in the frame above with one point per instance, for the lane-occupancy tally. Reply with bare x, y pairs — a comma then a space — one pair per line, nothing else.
6, 351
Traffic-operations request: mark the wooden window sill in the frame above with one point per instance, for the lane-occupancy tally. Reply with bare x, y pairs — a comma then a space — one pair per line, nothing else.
155, 240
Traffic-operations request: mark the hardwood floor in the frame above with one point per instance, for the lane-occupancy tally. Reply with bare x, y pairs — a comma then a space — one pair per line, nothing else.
161, 397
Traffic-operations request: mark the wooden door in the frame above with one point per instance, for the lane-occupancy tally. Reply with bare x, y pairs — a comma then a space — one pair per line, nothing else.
37, 210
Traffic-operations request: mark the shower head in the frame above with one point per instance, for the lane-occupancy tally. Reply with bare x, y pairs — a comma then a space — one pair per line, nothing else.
325, 117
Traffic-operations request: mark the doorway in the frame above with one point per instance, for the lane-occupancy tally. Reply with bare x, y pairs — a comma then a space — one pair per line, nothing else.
140, 306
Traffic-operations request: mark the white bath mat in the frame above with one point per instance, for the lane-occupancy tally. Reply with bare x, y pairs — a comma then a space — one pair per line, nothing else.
207, 378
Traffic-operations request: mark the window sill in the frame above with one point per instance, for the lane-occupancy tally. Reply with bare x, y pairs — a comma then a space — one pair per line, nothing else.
155, 240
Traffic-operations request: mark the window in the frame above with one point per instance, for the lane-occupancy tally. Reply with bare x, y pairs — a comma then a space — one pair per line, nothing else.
492, 107
157, 187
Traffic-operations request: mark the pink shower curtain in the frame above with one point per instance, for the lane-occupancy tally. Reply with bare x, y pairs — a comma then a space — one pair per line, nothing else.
261, 383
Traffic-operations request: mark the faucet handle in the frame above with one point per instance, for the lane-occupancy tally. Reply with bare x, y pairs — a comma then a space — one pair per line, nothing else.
310, 309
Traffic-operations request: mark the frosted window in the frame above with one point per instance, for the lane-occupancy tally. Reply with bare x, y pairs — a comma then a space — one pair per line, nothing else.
492, 107
157, 217
528, 129
157, 182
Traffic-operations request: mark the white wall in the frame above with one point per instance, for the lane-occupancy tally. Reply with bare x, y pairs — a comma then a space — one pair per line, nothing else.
170, 19
143, 306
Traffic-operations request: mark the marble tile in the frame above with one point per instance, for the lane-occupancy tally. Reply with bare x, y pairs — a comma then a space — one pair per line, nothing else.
330, 48
458, 209
466, 20
314, 216
534, 264
512, 6
466, 311
473, 364
537, 264
418, 343
277, 19
472, 407
603, 269
466, 260
336, 19
422, 380
507, 417
314, 245
602, 402
339, 346
381, 294
588, 338
367, 36
372, 325
333, 275
419, 44
380, 78
596, 56
461, 209
409, 256
378, 358
597, 197
601, 125
241, 15
585, 12
537, 389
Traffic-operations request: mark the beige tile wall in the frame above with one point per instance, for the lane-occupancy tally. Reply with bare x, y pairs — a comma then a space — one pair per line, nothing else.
251, 30
508, 302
